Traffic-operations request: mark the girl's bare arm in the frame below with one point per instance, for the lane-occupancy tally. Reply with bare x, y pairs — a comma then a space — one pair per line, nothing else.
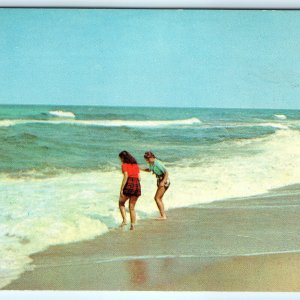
125, 177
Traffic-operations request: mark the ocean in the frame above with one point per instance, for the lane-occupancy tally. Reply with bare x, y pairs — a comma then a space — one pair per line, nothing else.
60, 172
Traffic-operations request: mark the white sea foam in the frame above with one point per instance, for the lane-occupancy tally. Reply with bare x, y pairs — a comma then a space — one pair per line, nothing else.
7, 123
74, 207
238, 125
274, 125
50, 211
276, 163
136, 123
106, 123
62, 114
281, 117
147, 123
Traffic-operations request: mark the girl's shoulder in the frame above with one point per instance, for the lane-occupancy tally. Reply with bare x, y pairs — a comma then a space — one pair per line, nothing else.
124, 167
158, 162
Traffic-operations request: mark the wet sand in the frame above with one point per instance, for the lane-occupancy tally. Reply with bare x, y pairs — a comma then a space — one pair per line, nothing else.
232, 245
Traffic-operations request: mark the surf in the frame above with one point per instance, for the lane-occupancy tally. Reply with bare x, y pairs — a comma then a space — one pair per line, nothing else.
281, 117
61, 114
105, 123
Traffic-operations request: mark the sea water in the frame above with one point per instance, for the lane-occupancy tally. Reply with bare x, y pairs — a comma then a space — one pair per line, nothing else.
60, 172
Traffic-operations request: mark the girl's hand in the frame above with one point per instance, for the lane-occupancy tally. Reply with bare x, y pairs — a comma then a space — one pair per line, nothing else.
121, 194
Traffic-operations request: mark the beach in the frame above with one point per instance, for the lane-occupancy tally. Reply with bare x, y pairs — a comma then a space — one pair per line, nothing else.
241, 244
211, 93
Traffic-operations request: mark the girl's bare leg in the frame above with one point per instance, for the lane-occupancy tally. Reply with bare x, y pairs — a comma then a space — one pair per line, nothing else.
158, 199
122, 208
132, 202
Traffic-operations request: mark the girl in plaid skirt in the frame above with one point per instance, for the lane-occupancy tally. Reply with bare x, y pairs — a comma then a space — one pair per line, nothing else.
130, 187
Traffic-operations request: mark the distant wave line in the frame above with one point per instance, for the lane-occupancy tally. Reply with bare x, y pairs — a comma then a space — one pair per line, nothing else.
105, 123
140, 123
239, 125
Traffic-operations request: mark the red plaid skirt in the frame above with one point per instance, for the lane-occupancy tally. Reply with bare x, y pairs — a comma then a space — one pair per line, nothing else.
132, 187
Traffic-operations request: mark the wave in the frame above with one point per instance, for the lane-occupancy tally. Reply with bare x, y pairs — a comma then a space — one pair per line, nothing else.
138, 123
106, 123
239, 125
274, 125
281, 117
62, 114
147, 123
7, 123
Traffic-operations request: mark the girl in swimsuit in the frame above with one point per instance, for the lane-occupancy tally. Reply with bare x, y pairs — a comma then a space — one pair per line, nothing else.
156, 167
130, 187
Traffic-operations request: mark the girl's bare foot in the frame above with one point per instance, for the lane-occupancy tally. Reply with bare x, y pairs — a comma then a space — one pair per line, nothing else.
132, 227
162, 218
124, 223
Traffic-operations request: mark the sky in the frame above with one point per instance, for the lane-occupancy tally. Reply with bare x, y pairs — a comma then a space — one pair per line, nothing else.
125, 57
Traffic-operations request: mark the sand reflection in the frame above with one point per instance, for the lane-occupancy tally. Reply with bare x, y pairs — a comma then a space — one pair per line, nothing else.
138, 272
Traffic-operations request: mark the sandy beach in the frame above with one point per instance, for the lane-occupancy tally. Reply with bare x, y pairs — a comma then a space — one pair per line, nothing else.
249, 244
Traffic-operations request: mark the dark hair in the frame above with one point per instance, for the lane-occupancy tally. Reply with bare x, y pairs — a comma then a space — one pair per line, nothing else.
149, 154
127, 158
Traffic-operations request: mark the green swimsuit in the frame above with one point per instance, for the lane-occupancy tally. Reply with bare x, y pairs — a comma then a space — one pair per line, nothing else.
159, 170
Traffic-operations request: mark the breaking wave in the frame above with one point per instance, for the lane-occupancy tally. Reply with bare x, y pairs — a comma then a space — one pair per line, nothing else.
62, 114
108, 123
281, 117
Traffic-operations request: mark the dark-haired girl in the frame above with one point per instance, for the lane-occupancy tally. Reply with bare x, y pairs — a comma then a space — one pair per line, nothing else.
130, 187
156, 167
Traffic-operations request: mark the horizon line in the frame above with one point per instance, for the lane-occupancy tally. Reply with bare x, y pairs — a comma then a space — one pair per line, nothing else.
146, 106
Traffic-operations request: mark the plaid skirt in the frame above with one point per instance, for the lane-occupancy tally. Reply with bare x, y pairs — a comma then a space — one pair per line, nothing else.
132, 187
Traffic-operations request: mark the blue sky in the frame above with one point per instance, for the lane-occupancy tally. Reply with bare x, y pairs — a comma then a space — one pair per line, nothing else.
198, 58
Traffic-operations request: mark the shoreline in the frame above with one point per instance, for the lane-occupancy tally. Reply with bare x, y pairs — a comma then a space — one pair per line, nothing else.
208, 247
